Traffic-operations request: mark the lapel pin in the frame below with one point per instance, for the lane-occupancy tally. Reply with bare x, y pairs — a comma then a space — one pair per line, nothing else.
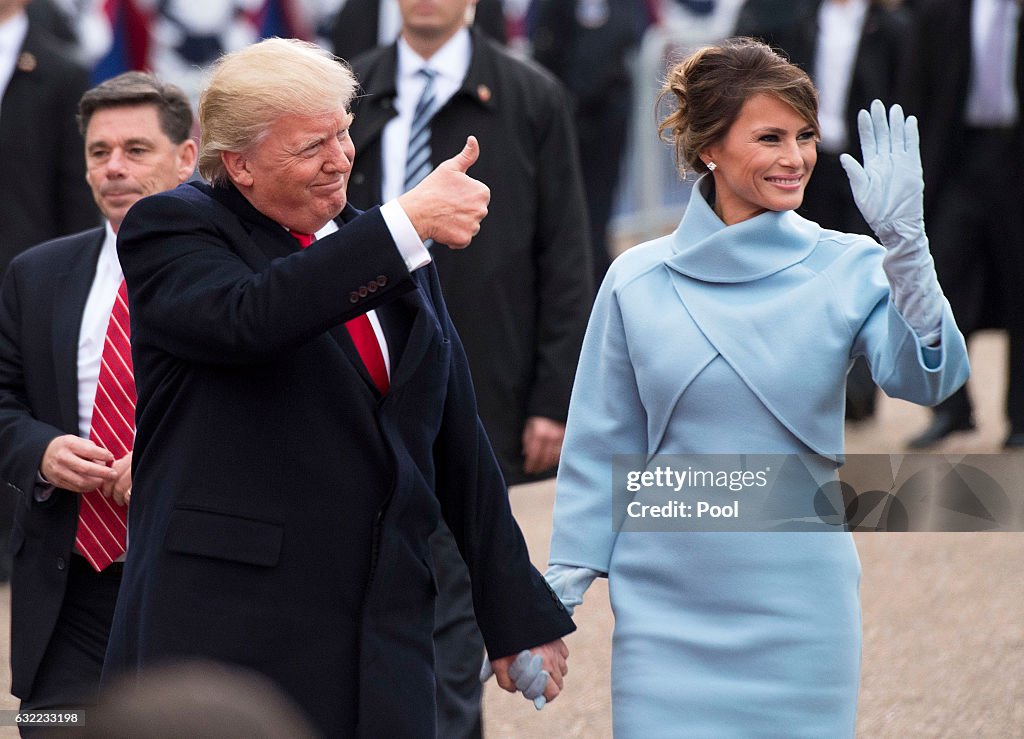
27, 62
484, 93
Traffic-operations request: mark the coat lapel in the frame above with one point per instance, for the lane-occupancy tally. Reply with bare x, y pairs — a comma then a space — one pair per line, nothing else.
76, 277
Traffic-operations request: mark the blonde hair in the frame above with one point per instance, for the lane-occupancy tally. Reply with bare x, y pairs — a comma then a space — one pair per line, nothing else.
250, 89
710, 87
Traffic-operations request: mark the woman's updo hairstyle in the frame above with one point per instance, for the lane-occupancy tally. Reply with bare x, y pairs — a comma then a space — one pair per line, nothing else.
710, 86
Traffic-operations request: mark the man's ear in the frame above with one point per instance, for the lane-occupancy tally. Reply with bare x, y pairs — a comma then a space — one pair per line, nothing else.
237, 166
186, 159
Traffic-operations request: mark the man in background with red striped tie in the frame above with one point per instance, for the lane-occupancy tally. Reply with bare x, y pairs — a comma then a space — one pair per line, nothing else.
67, 398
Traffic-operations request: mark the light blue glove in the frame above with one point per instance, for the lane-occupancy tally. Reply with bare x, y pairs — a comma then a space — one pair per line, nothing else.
889, 191
570, 583
526, 673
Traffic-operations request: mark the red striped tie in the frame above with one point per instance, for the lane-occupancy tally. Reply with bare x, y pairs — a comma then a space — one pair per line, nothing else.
102, 524
362, 333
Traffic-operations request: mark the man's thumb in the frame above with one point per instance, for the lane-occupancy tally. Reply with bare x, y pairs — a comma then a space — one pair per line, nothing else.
465, 158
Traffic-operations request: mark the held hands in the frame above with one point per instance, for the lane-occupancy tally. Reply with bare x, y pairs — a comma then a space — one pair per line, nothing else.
529, 671
448, 205
889, 187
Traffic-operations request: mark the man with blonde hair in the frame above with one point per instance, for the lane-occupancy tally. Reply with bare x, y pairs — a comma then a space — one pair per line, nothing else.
306, 416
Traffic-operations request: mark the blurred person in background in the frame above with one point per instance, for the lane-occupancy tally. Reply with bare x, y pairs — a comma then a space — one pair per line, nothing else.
43, 193
965, 79
765, 19
853, 51
588, 44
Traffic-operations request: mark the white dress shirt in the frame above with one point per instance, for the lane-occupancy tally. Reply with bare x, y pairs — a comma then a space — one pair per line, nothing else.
12, 37
451, 62
839, 30
93, 331
983, 14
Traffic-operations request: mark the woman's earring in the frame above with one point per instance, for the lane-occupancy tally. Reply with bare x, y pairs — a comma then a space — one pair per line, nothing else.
712, 166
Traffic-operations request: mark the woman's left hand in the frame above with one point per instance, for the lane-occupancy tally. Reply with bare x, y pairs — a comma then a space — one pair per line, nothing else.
889, 187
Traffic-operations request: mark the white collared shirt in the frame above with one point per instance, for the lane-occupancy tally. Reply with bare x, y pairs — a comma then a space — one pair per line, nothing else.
389, 22
839, 30
982, 13
93, 330
451, 62
12, 37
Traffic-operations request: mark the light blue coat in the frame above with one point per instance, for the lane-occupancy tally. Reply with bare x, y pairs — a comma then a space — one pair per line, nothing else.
718, 340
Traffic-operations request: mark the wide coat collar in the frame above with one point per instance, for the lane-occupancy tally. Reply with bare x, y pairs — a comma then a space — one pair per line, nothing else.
749, 296
705, 249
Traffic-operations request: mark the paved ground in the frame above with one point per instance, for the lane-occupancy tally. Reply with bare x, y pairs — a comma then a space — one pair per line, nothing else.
943, 627
943, 630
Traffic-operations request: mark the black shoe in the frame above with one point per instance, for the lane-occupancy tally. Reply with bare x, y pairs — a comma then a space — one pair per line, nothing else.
1014, 441
942, 425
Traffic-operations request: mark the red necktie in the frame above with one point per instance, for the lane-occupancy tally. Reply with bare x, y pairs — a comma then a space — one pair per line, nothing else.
102, 524
362, 333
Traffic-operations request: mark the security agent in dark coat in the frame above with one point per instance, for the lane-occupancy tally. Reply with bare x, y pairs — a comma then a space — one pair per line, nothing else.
43, 194
521, 297
281, 504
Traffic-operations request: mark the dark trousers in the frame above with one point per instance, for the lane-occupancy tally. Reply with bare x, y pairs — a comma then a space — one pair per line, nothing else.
458, 645
602, 132
69, 675
976, 230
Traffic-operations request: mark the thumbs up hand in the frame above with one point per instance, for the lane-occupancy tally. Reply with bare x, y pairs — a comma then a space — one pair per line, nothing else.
448, 205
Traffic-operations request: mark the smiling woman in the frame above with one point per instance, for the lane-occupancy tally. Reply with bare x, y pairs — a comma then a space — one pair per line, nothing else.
733, 335
763, 162
749, 117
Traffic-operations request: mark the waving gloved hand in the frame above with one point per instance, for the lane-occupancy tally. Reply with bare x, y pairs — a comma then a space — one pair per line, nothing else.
889, 191
889, 188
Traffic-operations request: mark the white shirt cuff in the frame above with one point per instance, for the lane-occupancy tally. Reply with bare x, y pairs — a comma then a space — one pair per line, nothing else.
406, 239
44, 488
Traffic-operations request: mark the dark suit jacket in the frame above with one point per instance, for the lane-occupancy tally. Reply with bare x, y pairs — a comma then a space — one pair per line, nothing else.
521, 295
41, 304
280, 506
44, 194
935, 89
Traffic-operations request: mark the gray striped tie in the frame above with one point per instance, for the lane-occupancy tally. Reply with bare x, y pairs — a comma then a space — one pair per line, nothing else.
417, 159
